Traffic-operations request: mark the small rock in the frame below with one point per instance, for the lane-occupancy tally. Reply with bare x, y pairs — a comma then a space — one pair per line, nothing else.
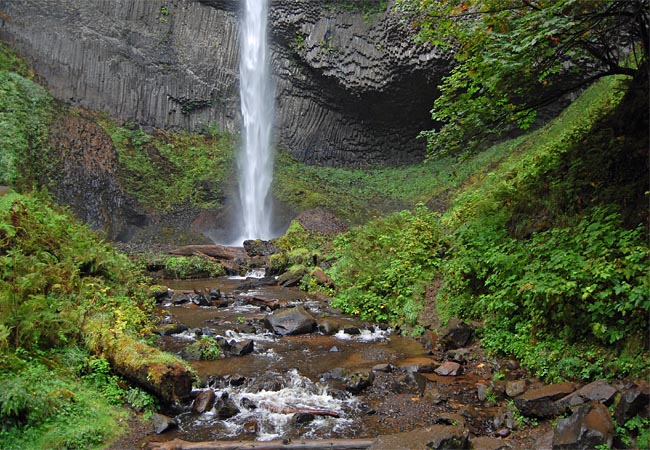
502, 432
203, 402
334, 349
588, 427
225, 407
387, 368
448, 368
302, 418
162, 423
515, 388
241, 348
481, 392
247, 403
504, 418
251, 427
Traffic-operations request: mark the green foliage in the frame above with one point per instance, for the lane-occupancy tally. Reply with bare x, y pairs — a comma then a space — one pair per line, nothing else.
515, 57
559, 281
205, 349
180, 267
11, 62
635, 433
384, 266
25, 114
165, 170
45, 407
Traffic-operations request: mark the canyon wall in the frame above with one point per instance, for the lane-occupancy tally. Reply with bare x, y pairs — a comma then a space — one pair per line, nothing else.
352, 87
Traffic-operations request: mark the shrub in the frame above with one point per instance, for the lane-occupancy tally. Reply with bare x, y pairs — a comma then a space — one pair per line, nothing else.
384, 266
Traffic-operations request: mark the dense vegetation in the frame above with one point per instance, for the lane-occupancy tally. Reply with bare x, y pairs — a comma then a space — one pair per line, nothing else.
539, 247
67, 299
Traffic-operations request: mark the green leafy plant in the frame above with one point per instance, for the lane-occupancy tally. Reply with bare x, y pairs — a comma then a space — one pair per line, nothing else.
383, 267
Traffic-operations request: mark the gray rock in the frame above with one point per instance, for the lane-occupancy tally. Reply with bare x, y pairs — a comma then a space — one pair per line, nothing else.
225, 407
540, 402
599, 390
162, 423
455, 335
291, 321
448, 368
588, 427
515, 388
241, 348
634, 401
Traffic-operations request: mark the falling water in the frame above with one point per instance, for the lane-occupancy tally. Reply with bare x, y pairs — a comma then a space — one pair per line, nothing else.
256, 92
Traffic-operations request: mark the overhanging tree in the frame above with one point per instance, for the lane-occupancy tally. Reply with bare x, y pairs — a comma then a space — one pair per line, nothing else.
515, 57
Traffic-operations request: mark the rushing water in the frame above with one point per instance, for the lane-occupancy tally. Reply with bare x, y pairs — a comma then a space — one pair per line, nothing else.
256, 91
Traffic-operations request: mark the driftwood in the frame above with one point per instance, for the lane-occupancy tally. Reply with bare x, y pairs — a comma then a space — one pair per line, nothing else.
272, 303
221, 252
289, 410
312, 444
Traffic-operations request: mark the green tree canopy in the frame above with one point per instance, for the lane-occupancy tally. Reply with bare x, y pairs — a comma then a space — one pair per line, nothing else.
517, 56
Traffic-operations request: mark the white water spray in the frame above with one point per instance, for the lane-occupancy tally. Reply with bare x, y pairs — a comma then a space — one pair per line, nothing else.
256, 158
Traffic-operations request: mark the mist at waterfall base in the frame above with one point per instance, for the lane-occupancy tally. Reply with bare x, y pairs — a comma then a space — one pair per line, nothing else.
250, 213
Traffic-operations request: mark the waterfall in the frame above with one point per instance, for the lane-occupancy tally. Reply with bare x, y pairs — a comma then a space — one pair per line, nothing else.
255, 160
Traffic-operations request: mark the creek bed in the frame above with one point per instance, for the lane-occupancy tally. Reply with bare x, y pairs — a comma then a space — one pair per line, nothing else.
285, 376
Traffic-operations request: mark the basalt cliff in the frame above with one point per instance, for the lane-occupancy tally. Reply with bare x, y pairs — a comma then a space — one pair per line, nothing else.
352, 86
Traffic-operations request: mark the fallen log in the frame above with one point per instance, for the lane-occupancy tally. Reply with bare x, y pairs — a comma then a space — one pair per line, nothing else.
213, 250
272, 303
312, 444
290, 410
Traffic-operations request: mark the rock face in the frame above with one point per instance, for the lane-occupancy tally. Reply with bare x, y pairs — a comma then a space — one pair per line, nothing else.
352, 87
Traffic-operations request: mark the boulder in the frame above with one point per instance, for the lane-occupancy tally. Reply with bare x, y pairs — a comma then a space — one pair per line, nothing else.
515, 388
203, 402
633, 402
435, 437
168, 329
291, 321
455, 335
540, 402
241, 348
599, 390
259, 247
162, 423
588, 427
225, 407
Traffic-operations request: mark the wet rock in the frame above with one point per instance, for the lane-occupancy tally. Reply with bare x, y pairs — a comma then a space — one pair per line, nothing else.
203, 402
164, 295
225, 408
502, 432
241, 348
330, 326
634, 401
599, 390
504, 418
448, 368
352, 331
162, 423
252, 427
334, 349
322, 278
292, 277
267, 382
252, 283
247, 403
259, 247
515, 388
455, 335
358, 381
291, 321
489, 443
435, 437
540, 403
383, 368
180, 298
588, 427
481, 392
302, 418
433, 395
169, 329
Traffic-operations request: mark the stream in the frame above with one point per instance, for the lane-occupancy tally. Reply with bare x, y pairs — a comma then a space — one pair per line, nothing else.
345, 379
